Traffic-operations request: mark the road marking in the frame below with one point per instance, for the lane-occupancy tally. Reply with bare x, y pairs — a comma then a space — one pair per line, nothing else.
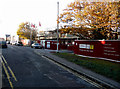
3, 61
80, 76
89, 81
13, 75
8, 76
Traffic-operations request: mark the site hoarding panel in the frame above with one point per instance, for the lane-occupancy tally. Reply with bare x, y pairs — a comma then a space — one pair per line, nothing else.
51, 45
98, 48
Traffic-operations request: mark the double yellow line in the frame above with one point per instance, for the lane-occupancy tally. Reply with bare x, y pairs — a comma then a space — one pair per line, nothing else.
4, 62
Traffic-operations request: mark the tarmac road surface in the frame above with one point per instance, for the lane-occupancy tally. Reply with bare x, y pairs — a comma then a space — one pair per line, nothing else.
22, 68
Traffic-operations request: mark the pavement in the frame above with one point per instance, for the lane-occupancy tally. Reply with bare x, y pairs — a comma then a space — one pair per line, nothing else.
104, 81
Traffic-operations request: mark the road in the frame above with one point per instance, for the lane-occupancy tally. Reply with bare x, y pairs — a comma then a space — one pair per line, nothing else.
22, 68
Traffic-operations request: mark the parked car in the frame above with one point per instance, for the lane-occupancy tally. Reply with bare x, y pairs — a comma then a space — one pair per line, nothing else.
19, 44
3, 44
13, 43
8, 42
36, 45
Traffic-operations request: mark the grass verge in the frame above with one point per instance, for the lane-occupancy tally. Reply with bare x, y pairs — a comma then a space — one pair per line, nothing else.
106, 68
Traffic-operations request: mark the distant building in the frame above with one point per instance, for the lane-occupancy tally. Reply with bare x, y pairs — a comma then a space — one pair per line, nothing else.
2, 39
52, 34
13, 39
8, 37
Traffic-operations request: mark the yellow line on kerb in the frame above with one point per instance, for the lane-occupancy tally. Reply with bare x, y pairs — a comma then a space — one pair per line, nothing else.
4, 59
8, 76
6, 71
13, 75
80, 76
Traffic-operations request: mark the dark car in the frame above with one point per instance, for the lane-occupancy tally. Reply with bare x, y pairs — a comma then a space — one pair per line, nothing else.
3, 44
19, 44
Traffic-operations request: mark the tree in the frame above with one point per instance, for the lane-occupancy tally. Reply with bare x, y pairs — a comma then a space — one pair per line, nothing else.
104, 15
70, 20
82, 32
101, 15
92, 15
25, 31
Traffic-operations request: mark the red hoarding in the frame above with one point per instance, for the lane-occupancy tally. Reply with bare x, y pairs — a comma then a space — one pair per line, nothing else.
98, 48
51, 45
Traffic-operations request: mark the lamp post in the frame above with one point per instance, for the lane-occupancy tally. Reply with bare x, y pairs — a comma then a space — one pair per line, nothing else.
57, 26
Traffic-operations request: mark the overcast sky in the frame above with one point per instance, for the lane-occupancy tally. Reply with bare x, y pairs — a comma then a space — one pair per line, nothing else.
14, 12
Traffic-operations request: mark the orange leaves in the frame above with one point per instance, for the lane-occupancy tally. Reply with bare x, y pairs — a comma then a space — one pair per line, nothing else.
24, 31
91, 14
100, 14
72, 12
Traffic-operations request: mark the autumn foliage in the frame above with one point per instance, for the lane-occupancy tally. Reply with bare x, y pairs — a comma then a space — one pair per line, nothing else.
84, 18
24, 31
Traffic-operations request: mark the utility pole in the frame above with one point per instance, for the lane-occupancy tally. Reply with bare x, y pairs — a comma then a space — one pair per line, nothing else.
57, 26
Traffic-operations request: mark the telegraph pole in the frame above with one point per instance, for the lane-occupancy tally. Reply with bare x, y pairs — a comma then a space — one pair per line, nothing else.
57, 26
